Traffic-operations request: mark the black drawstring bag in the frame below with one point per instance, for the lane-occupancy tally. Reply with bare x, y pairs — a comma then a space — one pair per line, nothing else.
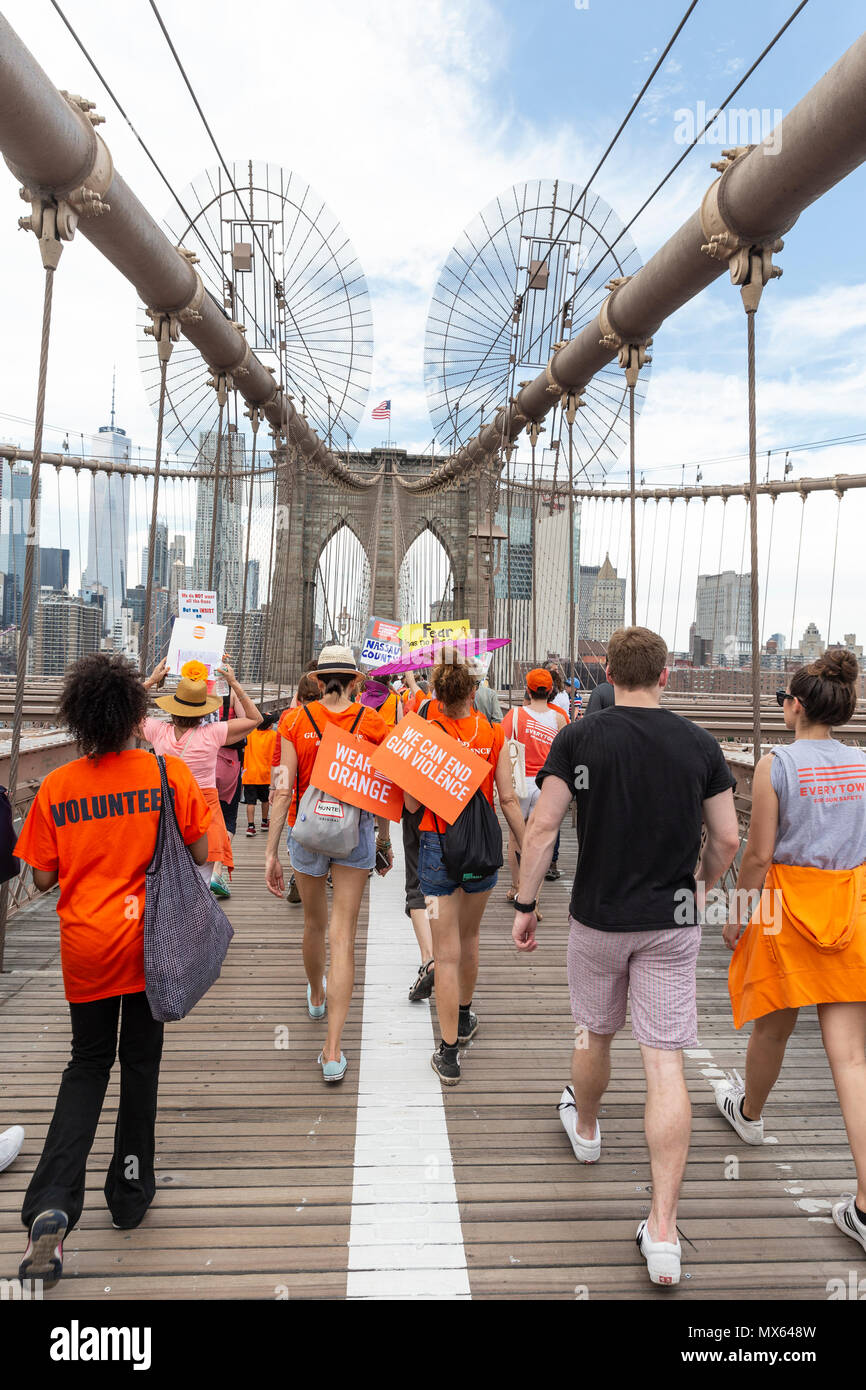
472, 846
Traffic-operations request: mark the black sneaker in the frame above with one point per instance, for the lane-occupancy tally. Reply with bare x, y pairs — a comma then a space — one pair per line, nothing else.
446, 1064
467, 1027
423, 986
293, 896
553, 873
43, 1258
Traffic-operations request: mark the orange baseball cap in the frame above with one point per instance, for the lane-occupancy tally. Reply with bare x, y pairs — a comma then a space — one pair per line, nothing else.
539, 679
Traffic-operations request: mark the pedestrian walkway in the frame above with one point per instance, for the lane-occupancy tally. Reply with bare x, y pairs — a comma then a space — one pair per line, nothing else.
272, 1186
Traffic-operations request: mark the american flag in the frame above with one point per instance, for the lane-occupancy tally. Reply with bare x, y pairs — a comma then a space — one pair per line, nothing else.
382, 411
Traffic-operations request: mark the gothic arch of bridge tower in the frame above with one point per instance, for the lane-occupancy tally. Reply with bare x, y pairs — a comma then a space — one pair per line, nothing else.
386, 518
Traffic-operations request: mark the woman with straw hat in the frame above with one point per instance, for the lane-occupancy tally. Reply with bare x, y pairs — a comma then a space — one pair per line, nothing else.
185, 736
339, 680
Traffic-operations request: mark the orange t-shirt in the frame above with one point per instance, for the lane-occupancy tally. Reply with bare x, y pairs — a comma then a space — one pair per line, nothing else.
387, 711
258, 757
473, 732
94, 821
300, 732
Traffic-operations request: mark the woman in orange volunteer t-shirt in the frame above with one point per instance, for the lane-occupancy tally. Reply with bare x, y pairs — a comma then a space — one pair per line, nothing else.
92, 830
187, 736
456, 909
338, 678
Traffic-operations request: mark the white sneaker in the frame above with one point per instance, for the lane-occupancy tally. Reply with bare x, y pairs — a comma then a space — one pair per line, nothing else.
847, 1220
662, 1258
729, 1099
585, 1150
10, 1145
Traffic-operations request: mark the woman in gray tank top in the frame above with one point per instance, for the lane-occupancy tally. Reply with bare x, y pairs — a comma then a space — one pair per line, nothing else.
806, 941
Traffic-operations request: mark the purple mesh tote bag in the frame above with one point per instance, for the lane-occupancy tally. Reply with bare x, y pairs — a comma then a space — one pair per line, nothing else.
186, 932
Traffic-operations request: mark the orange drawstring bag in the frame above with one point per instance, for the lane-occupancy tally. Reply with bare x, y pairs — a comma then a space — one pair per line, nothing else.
806, 943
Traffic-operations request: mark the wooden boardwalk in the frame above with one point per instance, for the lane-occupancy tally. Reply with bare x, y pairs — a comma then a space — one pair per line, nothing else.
256, 1157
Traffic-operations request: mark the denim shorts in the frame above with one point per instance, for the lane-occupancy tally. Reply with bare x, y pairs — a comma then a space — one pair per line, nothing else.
363, 856
433, 876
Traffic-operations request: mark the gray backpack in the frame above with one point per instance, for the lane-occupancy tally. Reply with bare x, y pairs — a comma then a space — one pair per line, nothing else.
323, 824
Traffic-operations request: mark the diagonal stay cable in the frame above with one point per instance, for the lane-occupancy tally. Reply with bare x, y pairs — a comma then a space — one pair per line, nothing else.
189, 218
228, 175
686, 152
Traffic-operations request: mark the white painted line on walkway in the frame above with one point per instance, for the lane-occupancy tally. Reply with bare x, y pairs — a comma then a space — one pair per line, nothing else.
405, 1238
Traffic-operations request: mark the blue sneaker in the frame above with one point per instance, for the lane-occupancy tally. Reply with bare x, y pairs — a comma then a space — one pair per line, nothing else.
333, 1071
317, 1010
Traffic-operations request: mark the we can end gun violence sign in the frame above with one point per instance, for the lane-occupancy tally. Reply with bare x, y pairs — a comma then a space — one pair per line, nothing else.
431, 766
343, 768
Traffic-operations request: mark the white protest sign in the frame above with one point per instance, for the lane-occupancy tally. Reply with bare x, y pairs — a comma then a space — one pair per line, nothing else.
382, 643
197, 603
194, 641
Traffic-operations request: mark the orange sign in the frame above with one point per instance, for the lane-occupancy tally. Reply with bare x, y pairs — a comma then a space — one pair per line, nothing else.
343, 767
431, 766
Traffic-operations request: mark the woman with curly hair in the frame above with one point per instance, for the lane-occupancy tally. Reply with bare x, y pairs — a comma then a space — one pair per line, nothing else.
197, 743
92, 829
801, 939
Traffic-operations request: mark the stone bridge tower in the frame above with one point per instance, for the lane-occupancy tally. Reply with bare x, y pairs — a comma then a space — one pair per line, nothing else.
386, 518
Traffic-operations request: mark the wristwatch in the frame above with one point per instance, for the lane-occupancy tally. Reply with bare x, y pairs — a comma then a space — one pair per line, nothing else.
524, 907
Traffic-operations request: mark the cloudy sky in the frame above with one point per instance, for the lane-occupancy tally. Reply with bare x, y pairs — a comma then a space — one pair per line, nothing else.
408, 117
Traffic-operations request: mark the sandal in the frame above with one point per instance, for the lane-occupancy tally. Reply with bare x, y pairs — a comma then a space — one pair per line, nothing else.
423, 986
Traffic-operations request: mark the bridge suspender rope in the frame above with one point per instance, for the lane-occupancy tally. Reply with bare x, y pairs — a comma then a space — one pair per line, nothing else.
275, 492
144, 653
753, 531
254, 417
220, 383
572, 403
839, 496
51, 229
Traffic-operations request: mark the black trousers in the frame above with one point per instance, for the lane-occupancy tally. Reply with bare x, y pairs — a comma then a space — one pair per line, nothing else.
130, 1184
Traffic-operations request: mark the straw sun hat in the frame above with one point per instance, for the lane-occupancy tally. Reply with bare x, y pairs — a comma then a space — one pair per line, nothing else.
336, 661
190, 699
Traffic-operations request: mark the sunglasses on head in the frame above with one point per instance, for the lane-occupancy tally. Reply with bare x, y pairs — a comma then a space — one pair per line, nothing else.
783, 695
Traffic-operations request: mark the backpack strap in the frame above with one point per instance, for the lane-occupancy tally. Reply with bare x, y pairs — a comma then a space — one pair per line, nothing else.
424, 709
358, 717
306, 710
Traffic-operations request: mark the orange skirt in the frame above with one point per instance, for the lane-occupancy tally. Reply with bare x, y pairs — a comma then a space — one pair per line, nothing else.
806, 944
219, 845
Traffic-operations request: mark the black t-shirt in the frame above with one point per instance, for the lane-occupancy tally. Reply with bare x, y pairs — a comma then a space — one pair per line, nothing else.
639, 777
601, 698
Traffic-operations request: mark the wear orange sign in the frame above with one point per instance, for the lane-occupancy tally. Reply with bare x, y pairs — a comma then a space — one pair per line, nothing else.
343, 767
431, 766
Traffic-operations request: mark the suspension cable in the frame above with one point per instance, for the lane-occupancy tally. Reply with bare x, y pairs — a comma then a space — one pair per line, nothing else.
50, 253
151, 544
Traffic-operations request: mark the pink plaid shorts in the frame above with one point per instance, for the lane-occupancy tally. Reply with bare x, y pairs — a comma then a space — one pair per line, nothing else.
653, 971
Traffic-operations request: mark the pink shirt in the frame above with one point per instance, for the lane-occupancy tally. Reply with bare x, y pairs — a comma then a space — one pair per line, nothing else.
196, 747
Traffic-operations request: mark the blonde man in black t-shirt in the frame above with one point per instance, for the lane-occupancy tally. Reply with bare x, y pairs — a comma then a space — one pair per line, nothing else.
645, 780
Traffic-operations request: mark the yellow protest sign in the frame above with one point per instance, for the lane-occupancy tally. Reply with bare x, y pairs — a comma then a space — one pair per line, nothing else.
423, 634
